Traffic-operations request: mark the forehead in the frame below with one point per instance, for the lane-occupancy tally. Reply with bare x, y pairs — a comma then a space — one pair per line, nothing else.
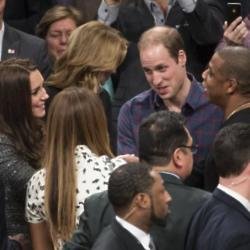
35, 78
65, 23
154, 54
158, 181
216, 62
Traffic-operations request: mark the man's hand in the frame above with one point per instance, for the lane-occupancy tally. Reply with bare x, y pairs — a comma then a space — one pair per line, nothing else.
235, 32
20, 238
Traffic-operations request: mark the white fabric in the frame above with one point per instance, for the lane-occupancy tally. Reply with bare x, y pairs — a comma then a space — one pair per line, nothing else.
1, 39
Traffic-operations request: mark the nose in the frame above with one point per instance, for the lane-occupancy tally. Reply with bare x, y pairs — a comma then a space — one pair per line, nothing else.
168, 197
64, 38
44, 95
204, 74
156, 78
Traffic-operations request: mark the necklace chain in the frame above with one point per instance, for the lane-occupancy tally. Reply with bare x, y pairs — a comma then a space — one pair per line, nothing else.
240, 107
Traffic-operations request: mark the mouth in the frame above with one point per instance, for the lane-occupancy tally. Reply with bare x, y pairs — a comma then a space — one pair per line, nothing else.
163, 90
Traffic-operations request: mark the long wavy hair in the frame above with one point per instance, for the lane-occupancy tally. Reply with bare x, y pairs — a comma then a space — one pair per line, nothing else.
75, 117
94, 49
16, 119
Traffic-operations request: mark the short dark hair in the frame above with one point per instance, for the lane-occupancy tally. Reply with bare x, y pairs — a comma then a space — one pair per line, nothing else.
236, 66
231, 149
126, 182
160, 134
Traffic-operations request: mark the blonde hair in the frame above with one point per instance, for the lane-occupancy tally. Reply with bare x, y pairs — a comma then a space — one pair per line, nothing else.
93, 50
75, 117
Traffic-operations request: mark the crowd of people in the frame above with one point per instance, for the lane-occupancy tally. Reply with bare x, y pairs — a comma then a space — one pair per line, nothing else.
124, 124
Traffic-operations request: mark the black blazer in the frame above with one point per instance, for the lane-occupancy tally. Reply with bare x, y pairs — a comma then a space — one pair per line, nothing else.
22, 45
98, 214
221, 224
5, 243
116, 237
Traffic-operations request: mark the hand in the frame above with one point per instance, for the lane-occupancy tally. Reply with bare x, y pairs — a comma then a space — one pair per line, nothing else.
129, 158
112, 2
235, 32
20, 238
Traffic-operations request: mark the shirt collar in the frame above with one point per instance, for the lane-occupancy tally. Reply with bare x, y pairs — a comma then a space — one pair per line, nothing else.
245, 202
140, 235
1, 39
151, 3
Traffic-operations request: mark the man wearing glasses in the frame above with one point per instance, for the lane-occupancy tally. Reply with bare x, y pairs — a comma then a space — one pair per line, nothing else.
173, 159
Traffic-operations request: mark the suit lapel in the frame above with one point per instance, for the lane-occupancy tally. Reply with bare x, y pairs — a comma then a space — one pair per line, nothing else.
11, 43
126, 237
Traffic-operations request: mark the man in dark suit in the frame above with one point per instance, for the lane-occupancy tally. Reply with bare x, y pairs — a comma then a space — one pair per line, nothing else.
138, 197
18, 44
172, 158
224, 221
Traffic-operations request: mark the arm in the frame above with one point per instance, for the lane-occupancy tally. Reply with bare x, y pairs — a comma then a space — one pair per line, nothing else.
14, 171
40, 236
126, 140
108, 11
205, 21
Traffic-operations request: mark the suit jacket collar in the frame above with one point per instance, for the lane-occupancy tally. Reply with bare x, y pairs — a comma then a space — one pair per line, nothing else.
169, 178
126, 237
11, 43
231, 202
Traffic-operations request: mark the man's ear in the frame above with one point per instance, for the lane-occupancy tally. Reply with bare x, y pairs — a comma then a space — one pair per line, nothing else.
231, 86
177, 158
142, 200
182, 58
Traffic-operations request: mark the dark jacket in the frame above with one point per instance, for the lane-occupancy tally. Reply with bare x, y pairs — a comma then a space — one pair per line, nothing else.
98, 214
221, 224
22, 45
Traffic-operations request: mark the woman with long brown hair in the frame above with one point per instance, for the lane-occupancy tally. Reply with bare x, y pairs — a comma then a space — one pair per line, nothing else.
77, 163
22, 99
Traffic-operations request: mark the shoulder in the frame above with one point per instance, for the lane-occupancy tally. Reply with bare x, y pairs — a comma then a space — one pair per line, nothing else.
22, 36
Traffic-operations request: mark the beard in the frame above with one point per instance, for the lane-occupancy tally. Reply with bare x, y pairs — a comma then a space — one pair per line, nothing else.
159, 221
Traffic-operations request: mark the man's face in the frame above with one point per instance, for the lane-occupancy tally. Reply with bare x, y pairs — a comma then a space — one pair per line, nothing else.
165, 76
160, 199
214, 82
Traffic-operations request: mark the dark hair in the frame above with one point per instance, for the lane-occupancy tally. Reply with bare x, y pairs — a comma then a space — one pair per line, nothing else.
231, 149
159, 136
16, 118
57, 13
169, 37
236, 66
126, 182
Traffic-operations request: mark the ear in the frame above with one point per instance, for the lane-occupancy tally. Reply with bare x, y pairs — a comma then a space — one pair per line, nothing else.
182, 58
178, 158
231, 86
142, 200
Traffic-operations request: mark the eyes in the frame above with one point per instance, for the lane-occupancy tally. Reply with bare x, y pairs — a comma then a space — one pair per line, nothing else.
159, 68
37, 90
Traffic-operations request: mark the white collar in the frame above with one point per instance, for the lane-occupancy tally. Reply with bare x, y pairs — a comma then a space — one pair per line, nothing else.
140, 235
1, 38
245, 202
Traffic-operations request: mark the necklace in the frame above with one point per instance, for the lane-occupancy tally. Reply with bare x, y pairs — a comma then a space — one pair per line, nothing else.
242, 106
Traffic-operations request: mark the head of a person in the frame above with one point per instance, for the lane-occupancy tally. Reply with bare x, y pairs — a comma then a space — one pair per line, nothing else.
137, 194
22, 98
94, 51
22, 93
228, 75
56, 26
163, 60
231, 150
75, 117
164, 141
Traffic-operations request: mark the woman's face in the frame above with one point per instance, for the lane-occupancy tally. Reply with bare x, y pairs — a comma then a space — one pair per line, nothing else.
38, 94
58, 35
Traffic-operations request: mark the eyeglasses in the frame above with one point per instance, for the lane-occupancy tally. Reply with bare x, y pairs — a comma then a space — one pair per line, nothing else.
193, 148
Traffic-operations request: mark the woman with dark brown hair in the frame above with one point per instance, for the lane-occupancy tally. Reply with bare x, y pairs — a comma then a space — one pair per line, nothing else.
22, 99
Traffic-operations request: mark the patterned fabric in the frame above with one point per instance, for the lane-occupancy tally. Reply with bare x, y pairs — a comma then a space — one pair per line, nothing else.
92, 174
14, 174
203, 119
